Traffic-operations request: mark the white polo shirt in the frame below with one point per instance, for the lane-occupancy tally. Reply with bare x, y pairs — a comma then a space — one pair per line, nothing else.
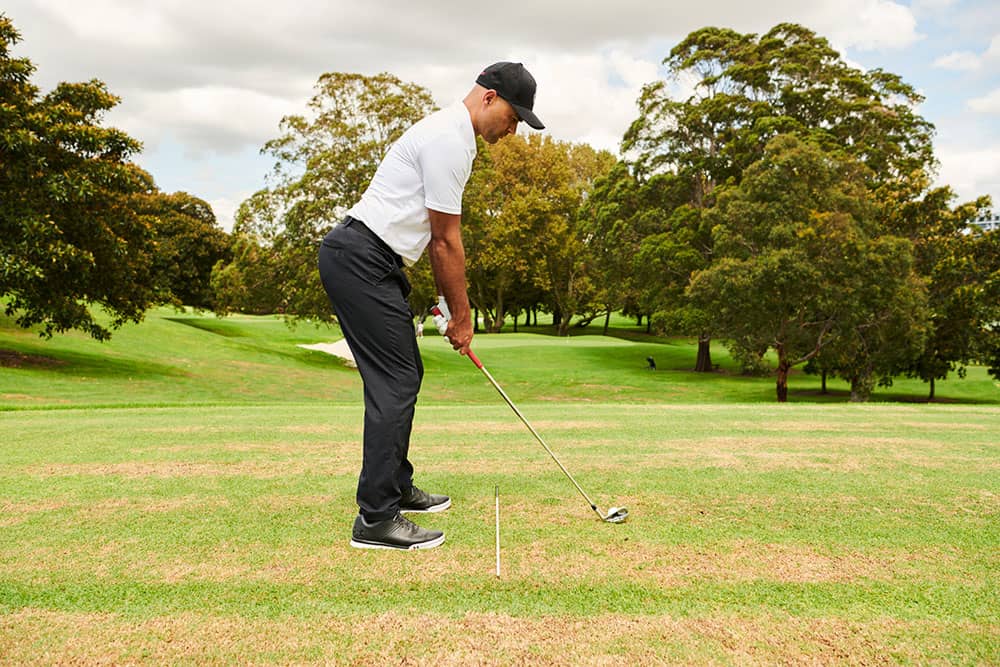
427, 168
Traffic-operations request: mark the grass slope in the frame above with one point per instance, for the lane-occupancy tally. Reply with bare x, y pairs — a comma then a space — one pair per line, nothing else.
186, 359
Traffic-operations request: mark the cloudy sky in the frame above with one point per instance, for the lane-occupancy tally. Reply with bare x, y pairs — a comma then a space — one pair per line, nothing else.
205, 83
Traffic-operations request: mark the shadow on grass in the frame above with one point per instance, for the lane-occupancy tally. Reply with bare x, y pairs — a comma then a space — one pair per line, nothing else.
67, 362
221, 328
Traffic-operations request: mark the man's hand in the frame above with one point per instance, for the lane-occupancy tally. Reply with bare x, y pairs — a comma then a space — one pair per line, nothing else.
456, 332
459, 334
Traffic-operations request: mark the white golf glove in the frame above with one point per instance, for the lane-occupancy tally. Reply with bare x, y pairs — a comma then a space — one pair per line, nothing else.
441, 315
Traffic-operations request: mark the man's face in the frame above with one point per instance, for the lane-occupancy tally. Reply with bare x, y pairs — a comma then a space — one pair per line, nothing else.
500, 120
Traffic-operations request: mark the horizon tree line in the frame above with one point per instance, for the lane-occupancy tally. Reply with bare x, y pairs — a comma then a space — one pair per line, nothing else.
783, 206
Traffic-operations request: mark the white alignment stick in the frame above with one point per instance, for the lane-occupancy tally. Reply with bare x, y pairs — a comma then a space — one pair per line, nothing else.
498, 529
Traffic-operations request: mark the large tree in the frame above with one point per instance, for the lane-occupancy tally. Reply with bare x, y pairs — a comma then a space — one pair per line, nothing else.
608, 219
70, 236
800, 264
727, 94
746, 89
525, 227
568, 249
323, 162
959, 263
188, 244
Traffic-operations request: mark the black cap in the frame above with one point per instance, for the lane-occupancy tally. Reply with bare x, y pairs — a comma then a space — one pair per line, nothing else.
514, 84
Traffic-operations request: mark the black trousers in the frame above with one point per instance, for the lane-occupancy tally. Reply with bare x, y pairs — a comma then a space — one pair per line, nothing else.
367, 288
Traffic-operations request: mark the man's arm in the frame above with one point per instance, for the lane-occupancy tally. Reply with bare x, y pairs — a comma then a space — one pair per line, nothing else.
447, 255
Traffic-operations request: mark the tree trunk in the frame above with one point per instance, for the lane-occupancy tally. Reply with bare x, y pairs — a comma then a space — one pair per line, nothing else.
823, 388
649, 324
783, 367
704, 361
607, 321
782, 385
475, 320
638, 321
500, 315
564, 326
931, 397
861, 388
516, 313
556, 317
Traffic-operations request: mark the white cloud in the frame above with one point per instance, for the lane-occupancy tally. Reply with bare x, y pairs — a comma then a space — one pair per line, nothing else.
959, 60
993, 50
114, 22
969, 61
971, 172
989, 103
925, 6
205, 119
866, 25
225, 209
589, 98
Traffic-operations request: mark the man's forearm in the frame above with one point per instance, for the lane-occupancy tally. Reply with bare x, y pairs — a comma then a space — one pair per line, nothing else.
447, 255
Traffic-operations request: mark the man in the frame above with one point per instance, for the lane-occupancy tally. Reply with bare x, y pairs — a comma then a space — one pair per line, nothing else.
413, 202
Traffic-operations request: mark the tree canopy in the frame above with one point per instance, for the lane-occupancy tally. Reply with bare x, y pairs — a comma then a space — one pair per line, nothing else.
70, 235
323, 163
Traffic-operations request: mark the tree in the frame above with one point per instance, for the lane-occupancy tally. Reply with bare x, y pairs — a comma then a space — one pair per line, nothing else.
988, 346
323, 163
957, 264
523, 227
188, 244
70, 235
678, 243
607, 221
567, 249
745, 90
749, 88
799, 263
496, 239
247, 283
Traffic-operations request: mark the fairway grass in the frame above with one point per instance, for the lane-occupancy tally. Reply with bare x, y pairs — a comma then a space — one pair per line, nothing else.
759, 533
186, 359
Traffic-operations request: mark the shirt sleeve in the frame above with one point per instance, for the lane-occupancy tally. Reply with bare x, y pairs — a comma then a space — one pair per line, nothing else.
445, 165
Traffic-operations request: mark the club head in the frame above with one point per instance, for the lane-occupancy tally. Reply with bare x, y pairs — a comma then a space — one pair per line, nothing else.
616, 515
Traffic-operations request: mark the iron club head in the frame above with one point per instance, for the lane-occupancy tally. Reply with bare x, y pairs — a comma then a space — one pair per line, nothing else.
616, 515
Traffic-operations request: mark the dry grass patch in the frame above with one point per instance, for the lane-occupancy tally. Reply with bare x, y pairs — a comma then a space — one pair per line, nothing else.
15, 359
485, 428
475, 638
13, 512
172, 469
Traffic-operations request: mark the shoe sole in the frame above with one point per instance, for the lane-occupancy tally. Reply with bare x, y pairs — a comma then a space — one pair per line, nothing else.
433, 508
430, 544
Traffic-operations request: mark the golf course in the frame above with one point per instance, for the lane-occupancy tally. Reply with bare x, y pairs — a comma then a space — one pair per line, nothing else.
183, 494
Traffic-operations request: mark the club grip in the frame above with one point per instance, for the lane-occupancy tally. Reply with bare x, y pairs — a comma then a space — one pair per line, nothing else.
475, 360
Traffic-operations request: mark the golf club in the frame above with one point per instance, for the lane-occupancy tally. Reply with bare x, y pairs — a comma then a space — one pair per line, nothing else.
615, 514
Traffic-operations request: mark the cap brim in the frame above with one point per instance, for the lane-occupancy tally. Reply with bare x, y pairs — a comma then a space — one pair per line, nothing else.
528, 116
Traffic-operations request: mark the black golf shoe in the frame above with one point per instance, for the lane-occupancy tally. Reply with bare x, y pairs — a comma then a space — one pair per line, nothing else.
395, 533
420, 501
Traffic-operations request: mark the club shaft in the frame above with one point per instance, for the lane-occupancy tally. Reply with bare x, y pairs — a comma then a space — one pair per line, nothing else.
513, 407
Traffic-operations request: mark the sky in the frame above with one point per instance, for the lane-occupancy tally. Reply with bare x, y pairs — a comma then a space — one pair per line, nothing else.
204, 84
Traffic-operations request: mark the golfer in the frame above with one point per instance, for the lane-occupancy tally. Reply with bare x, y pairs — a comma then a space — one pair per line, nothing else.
413, 202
